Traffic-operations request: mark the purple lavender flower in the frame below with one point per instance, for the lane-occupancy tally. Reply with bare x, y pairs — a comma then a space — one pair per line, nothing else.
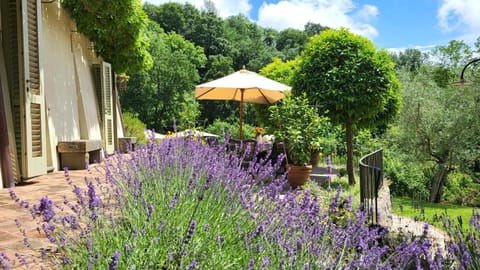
265, 262
193, 264
21, 259
149, 211
251, 263
89, 245
67, 175
66, 260
79, 193
160, 225
114, 260
93, 200
70, 221
191, 230
5, 261
13, 195
44, 209
329, 165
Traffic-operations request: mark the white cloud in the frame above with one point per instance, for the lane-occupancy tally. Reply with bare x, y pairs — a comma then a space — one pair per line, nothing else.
462, 16
331, 13
422, 48
367, 12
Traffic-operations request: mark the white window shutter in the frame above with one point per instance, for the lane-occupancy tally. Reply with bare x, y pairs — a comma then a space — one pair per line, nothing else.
34, 143
103, 74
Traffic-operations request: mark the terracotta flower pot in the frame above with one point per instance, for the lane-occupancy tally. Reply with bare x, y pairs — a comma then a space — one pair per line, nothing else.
298, 175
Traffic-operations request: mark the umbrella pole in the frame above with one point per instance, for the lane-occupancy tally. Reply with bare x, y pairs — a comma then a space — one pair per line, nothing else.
241, 112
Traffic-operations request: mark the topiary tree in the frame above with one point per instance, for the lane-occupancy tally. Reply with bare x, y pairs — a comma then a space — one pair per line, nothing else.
117, 29
350, 81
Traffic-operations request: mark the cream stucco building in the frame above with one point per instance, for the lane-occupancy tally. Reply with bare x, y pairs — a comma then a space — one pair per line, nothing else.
53, 89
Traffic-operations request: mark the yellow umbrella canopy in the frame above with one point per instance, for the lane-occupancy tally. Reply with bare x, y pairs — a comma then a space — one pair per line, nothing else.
242, 86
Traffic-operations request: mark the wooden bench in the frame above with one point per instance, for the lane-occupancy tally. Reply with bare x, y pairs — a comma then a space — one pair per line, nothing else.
75, 155
126, 144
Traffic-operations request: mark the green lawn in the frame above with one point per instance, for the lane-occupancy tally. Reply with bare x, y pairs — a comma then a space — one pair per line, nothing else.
431, 212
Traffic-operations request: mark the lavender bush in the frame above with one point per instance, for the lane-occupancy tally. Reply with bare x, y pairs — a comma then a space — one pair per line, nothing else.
463, 244
184, 204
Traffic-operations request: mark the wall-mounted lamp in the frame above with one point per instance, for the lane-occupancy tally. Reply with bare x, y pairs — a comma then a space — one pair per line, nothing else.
462, 81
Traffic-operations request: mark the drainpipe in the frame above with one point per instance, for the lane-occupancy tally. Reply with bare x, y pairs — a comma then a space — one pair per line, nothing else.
6, 163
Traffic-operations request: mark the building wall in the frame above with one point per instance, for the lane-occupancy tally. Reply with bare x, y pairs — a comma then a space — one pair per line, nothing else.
70, 96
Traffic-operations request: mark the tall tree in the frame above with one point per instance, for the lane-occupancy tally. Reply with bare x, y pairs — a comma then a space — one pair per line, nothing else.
410, 59
291, 42
117, 29
247, 43
449, 59
174, 17
439, 126
156, 95
350, 81
312, 29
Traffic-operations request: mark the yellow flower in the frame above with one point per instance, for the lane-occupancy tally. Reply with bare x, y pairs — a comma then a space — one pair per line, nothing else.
259, 131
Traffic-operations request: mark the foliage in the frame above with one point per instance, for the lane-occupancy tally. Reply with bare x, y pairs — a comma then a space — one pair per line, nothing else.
312, 29
291, 42
410, 59
117, 29
454, 55
156, 95
280, 71
440, 126
134, 127
293, 121
227, 129
405, 175
189, 112
181, 204
247, 45
461, 189
350, 81
449, 59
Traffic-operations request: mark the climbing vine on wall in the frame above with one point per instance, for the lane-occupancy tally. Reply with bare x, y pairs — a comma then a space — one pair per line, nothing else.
117, 29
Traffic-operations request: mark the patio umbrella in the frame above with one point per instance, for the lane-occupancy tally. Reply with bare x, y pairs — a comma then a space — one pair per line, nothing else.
242, 86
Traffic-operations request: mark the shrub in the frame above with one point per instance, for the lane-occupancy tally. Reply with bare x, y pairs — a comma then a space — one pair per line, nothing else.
461, 189
221, 128
407, 178
134, 127
182, 204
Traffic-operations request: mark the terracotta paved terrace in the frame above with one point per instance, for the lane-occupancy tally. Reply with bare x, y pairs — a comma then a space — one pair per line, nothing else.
53, 185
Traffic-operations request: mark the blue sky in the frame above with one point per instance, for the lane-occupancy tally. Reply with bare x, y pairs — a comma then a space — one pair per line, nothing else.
390, 24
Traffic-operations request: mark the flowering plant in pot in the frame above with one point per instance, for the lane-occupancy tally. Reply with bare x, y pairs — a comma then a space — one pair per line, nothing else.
296, 123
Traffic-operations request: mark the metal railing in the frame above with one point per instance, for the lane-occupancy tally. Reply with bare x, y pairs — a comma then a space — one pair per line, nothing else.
371, 180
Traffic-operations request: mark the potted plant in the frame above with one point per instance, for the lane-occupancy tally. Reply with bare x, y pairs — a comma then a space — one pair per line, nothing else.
294, 122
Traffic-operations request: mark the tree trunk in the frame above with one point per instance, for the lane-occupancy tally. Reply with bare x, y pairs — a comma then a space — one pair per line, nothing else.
438, 183
350, 169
